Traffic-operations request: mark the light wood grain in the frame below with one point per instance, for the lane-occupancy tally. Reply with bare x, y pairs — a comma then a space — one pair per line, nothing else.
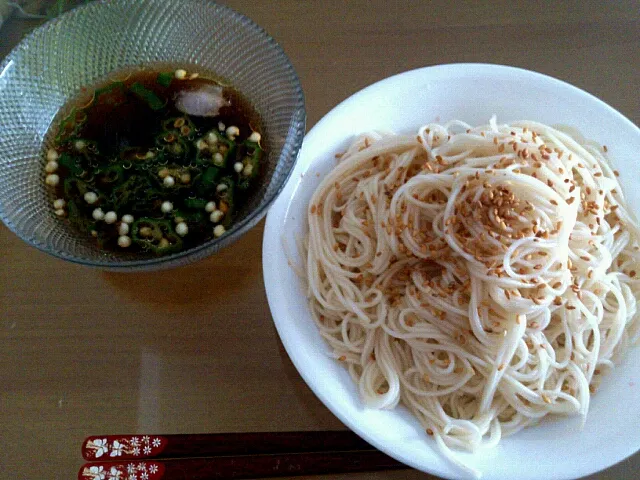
194, 349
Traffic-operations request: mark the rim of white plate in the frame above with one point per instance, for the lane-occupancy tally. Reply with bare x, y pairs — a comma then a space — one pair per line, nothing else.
285, 297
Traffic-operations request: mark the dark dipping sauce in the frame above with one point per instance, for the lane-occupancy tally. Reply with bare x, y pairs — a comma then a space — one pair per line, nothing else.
156, 163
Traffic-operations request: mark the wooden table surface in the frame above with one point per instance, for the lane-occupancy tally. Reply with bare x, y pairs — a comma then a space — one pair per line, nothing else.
194, 349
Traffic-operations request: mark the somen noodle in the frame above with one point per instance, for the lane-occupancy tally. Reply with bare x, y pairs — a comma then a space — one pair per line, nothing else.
484, 277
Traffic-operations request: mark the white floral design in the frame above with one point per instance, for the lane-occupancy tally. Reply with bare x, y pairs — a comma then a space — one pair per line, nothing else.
153, 468
147, 450
114, 474
116, 448
131, 468
135, 441
136, 451
144, 476
142, 467
146, 439
101, 446
156, 442
133, 476
98, 473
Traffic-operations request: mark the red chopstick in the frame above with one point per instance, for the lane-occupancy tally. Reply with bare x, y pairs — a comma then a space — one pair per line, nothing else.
247, 466
141, 447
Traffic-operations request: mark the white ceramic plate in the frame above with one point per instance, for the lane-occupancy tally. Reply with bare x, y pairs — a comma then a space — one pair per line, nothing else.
557, 449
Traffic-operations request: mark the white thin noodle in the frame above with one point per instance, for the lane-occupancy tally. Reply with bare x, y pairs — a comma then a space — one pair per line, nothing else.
484, 277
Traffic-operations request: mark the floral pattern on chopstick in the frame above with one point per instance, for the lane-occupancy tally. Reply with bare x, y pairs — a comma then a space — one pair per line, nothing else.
123, 446
122, 471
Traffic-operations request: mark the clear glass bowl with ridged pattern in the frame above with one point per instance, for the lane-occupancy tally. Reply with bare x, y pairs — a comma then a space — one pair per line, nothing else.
82, 47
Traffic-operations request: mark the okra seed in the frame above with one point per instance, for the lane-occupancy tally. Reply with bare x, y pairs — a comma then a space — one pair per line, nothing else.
169, 181
90, 198
51, 166
216, 216
166, 207
124, 241
52, 180
110, 217
182, 229
52, 155
232, 132
212, 138
98, 214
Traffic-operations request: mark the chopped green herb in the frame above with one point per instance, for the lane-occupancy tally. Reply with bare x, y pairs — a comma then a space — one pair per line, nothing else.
146, 95
165, 78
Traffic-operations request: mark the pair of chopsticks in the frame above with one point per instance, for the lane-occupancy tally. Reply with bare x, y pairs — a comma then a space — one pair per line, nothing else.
229, 456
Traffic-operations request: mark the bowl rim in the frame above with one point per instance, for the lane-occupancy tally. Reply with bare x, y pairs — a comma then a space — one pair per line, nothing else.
272, 241
295, 136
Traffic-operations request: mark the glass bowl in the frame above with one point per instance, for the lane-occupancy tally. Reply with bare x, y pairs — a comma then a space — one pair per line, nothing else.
76, 50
